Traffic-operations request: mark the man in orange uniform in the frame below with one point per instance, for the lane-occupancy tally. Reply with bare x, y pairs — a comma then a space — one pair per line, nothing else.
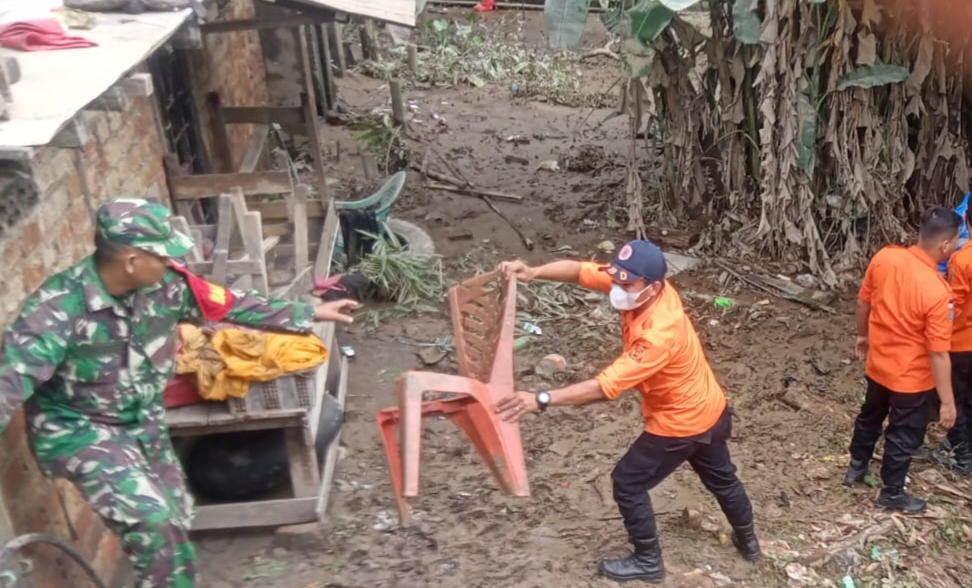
685, 410
960, 435
904, 332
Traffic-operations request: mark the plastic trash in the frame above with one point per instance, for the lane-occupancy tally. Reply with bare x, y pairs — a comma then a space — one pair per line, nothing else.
722, 303
848, 582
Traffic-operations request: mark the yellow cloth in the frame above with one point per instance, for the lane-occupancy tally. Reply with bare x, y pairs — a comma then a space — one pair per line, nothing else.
226, 364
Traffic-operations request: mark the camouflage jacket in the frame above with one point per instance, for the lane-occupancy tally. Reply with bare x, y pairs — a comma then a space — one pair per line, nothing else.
87, 364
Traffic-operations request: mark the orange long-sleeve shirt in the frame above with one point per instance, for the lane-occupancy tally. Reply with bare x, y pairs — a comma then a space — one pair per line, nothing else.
664, 361
960, 278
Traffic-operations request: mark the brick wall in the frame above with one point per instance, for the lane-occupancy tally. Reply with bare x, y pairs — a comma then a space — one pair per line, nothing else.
121, 158
232, 65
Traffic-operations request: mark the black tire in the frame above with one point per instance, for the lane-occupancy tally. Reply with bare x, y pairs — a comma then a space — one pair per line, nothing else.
417, 239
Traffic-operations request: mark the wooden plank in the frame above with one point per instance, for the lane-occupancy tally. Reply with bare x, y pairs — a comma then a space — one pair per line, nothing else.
327, 68
220, 420
302, 458
330, 463
336, 35
254, 151
173, 170
325, 331
301, 252
210, 185
308, 102
285, 116
253, 240
278, 210
222, 155
276, 229
224, 231
256, 24
322, 266
194, 415
195, 252
233, 266
266, 513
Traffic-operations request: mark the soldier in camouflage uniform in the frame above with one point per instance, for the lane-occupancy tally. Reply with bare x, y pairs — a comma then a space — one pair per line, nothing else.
89, 357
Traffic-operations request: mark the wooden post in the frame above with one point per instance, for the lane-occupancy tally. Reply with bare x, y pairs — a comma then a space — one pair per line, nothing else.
336, 37
310, 118
398, 103
327, 69
222, 154
412, 58
370, 166
224, 229
367, 34
301, 250
253, 241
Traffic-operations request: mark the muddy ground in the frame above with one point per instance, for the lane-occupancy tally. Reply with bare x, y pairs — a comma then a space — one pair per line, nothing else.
466, 532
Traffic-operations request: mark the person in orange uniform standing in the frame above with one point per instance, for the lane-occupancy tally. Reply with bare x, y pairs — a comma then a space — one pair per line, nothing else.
960, 277
904, 334
685, 409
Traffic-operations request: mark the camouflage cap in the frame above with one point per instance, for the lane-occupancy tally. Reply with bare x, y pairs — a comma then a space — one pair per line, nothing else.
141, 224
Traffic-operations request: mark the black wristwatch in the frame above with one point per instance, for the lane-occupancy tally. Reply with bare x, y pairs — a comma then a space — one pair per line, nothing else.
543, 400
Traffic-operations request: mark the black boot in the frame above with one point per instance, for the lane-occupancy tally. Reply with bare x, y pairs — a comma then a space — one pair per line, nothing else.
963, 460
744, 538
856, 472
644, 564
894, 498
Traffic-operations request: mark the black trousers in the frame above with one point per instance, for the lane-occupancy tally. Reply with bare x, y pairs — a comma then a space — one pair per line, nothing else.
962, 388
907, 416
652, 458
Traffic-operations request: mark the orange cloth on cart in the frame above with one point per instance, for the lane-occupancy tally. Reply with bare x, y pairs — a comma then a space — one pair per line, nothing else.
226, 363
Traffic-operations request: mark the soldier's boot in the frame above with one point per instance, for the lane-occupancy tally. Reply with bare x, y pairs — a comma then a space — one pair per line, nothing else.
644, 564
744, 538
895, 498
963, 460
856, 472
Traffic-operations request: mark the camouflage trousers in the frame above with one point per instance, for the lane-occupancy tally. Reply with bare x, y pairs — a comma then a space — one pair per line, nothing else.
136, 484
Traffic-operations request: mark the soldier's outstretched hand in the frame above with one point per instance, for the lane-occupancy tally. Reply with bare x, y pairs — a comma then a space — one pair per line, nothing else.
336, 311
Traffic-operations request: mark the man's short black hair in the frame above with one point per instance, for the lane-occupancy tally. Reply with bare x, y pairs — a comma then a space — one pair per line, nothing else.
106, 251
939, 222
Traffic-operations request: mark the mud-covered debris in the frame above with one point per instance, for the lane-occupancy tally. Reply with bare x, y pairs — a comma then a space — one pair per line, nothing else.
432, 355
821, 366
932, 476
551, 365
564, 446
549, 165
386, 521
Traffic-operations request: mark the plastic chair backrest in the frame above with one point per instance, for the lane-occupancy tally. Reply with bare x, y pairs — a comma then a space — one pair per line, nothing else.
483, 312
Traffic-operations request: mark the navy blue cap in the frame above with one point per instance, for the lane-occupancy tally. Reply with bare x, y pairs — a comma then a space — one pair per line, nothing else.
638, 260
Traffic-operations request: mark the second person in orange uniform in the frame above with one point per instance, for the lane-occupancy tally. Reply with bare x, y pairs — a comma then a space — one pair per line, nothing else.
685, 409
904, 334
960, 277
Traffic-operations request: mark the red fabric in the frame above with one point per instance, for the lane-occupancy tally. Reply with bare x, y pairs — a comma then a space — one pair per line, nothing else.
485, 6
214, 301
39, 35
181, 391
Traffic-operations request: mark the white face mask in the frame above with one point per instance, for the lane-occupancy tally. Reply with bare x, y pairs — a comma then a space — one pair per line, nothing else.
624, 300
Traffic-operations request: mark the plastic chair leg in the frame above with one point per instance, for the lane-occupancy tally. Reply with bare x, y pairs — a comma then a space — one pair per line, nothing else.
387, 425
409, 388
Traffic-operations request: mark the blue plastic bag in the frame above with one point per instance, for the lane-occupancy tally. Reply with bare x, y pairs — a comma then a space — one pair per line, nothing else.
963, 229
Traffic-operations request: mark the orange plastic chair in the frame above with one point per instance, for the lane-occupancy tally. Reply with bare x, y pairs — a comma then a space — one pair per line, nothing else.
483, 313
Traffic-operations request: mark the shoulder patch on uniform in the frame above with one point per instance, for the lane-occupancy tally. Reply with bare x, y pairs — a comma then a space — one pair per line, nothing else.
639, 351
